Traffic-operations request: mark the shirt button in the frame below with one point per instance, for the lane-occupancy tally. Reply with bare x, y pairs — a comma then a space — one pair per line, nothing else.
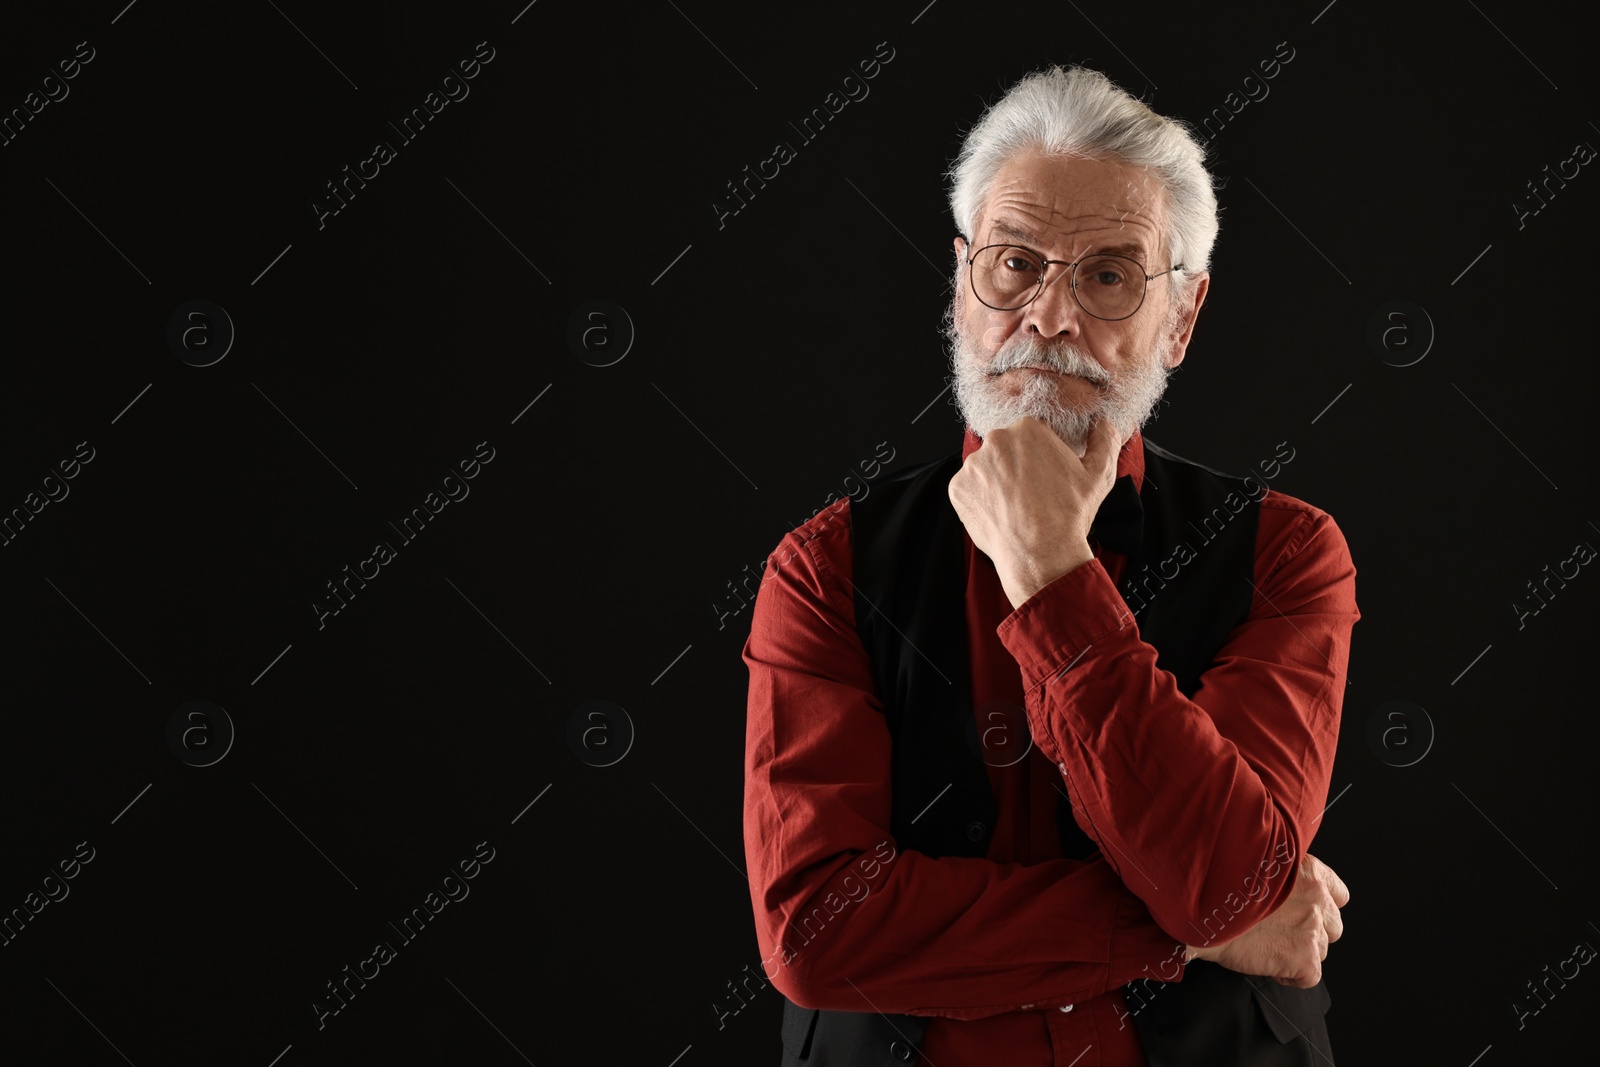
902, 1052
975, 830
1066, 1007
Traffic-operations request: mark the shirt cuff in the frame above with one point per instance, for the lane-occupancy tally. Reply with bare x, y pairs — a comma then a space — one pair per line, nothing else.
1053, 628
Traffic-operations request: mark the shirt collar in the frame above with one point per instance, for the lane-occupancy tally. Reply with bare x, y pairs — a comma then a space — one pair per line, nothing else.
1130, 460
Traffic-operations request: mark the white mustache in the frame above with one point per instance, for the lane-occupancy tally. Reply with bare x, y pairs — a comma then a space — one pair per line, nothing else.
1065, 359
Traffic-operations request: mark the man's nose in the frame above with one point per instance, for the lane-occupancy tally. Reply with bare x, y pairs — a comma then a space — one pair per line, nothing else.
1055, 312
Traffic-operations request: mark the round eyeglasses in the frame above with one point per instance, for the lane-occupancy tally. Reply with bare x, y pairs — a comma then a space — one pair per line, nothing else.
1110, 287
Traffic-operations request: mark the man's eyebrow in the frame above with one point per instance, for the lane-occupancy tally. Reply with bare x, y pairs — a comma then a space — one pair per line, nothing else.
1134, 249
1001, 226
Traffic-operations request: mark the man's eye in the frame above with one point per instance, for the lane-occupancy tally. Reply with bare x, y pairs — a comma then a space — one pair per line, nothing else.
1019, 264
1107, 278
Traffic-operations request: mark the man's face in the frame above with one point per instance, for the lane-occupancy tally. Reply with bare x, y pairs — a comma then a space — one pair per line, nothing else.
1051, 359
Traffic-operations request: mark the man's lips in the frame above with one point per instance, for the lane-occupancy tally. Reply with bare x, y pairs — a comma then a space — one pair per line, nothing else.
1052, 370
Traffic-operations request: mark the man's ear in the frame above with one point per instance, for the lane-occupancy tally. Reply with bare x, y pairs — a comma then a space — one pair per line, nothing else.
960, 245
1183, 329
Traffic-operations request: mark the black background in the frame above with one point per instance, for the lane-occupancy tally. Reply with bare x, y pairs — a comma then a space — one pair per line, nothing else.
593, 558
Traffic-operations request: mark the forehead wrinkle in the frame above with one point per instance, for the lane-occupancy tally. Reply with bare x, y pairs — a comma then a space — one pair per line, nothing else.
1080, 235
1054, 217
1047, 207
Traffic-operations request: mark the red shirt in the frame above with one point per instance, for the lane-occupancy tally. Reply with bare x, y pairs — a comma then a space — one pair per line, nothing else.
1202, 808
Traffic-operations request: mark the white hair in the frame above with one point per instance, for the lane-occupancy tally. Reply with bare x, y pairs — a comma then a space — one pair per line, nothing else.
1080, 112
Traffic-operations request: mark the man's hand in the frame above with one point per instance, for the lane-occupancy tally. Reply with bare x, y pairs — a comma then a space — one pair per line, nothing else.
1291, 943
1027, 502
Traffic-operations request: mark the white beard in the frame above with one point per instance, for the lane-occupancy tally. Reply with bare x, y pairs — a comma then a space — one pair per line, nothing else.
1128, 400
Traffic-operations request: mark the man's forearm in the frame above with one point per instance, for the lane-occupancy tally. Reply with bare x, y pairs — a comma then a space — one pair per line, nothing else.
1201, 808
965, 938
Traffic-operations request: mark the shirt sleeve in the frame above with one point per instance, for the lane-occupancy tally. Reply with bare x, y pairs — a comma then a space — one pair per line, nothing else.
1205, 805
845, 919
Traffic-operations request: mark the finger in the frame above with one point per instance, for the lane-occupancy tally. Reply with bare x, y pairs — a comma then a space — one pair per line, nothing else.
1304, 980
1330, 879
1311, 975
1335, 926
1336, 887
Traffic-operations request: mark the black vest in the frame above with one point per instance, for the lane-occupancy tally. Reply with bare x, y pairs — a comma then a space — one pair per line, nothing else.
910, 583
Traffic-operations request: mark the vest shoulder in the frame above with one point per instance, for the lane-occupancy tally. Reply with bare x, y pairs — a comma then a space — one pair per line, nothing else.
920, 470
912, 486
1162, 456
828, 531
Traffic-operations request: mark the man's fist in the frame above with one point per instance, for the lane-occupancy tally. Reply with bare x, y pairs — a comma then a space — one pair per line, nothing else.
1291, 943
1027, 501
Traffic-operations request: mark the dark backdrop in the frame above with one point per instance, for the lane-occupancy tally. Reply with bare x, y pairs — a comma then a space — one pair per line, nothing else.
229, 858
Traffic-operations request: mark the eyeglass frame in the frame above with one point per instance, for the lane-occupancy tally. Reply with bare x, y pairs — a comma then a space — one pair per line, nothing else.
1072, 276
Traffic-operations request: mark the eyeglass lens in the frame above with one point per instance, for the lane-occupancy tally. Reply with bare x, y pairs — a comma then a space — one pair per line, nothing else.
1006, 277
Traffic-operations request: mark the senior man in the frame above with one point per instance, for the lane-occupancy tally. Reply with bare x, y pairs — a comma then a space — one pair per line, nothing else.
1039, 732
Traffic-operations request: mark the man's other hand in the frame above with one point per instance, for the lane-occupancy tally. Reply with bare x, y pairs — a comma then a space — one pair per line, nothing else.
1290, 944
